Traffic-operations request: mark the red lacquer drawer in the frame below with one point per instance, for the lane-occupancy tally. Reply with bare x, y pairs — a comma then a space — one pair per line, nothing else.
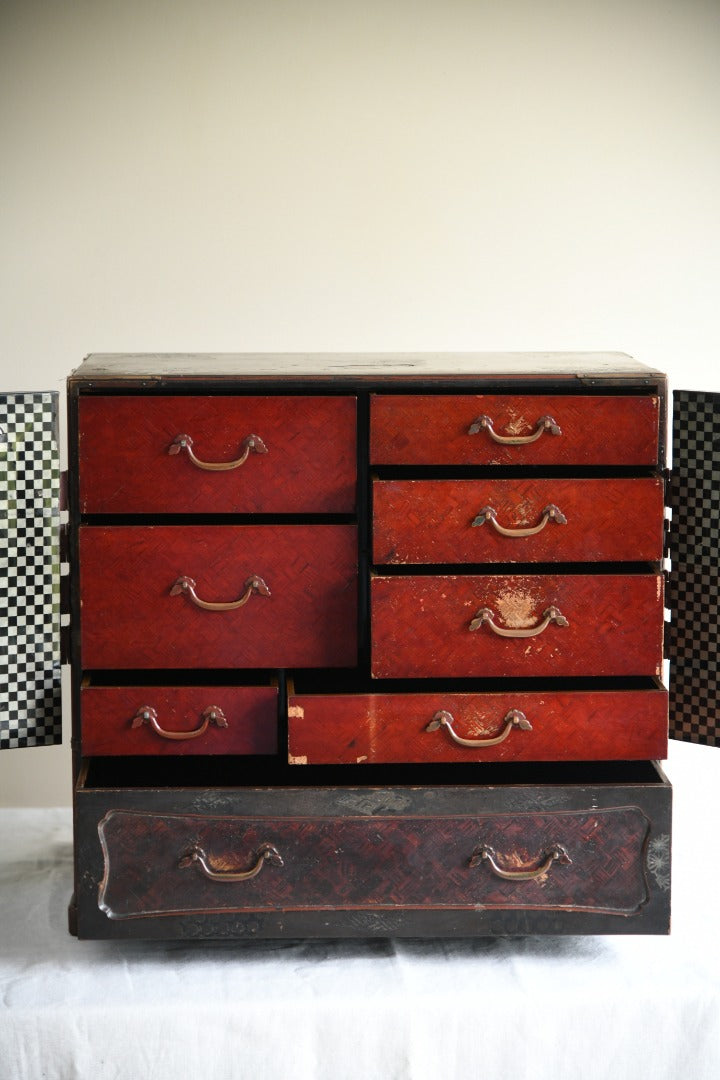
209, 863
132, 720
455, 626
293, 591
446, 726
302, 458
463, 429
478, 521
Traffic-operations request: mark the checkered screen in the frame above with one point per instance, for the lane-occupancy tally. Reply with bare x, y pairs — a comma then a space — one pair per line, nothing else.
694, 587
30, 712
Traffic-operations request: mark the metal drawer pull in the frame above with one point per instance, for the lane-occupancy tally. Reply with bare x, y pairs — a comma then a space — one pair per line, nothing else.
252, 443
556, 853
545, 423
550, 513
514, 719
550, 615
185, 586
196, 856
147, 715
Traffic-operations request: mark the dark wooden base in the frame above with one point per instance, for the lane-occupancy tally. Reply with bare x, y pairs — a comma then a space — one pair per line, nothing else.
379, 861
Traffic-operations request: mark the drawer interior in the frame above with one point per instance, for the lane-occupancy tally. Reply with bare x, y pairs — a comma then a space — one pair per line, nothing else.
237, 773
355, 681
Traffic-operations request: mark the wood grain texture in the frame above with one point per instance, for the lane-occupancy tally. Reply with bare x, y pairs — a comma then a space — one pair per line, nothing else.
431, 521
421, 625
108, 712
240, 368
131, 620
345, 863
566, 726
125, 467
434, 430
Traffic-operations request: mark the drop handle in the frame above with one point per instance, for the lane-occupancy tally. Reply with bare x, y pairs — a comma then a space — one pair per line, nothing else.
186, 586
544, 424
266, 853
555, 853
485, 616
550, 513
250, 444
515, 719
147, 715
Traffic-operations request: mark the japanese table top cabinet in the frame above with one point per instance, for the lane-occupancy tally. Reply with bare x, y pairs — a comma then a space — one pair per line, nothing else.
368, 646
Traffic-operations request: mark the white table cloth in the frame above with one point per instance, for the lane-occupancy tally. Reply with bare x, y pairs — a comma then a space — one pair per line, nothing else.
558, 1008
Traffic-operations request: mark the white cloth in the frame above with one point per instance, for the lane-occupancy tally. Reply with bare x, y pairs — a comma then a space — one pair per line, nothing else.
622, 1008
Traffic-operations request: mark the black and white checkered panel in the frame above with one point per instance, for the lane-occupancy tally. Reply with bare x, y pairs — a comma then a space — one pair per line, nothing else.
694, 587
30, 712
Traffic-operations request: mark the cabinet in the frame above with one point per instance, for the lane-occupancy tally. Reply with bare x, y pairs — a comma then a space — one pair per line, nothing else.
368, 646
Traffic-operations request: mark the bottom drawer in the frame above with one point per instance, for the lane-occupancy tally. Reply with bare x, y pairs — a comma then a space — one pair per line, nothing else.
584, 852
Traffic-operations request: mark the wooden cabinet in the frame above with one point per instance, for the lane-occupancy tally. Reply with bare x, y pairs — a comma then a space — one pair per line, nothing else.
368, 646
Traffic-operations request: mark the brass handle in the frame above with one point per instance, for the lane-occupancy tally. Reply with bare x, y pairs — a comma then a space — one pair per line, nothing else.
544, 424
197, 857
185, 586
556, 853
147, 715
514, 719
251, 443
550, 615
550, 513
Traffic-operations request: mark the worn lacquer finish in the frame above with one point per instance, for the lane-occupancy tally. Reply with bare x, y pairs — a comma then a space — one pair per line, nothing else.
440, 521
437, 625
382, 862
147, 371
443, 430
393, 727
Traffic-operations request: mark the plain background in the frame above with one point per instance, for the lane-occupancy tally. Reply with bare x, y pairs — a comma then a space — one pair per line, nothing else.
363, 176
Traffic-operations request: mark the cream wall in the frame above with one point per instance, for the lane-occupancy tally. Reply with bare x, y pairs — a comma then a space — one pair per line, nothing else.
282, 175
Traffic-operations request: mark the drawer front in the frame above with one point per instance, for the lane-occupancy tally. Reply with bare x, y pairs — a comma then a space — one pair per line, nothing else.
450, 430
161, 720
164, 864
431, 626
479, 521
465, 727
292, 592
302, 459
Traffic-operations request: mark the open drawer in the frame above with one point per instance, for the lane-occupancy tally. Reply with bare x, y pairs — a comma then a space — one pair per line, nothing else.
559, 849
338, 721
169, 716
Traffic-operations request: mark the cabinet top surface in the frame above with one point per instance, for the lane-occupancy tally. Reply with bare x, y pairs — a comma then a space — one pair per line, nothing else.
118, 367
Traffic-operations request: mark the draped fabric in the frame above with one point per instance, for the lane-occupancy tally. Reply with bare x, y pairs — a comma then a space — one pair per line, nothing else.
585, 1008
